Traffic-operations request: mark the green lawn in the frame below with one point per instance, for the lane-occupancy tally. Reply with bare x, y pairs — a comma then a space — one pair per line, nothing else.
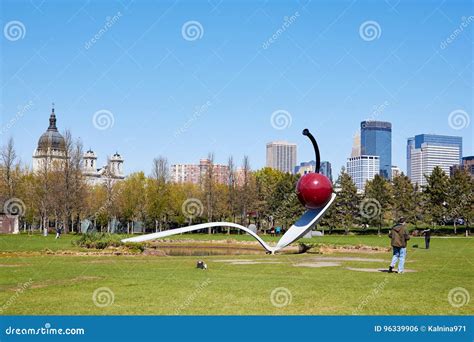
64, 284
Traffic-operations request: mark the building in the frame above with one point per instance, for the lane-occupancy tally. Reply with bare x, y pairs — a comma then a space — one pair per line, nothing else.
112, 171
426, 151
195, 173
306, 167
50, 154
410, 147
185, 173
362, 169
396, 171
9, 223
376, 140
467, 163
356, 145
281, 155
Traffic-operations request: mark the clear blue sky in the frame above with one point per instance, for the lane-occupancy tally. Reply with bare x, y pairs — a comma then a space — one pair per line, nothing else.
319, 69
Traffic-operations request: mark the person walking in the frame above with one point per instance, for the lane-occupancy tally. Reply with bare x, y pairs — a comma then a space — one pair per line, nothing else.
427, 234
58, 231
399, 236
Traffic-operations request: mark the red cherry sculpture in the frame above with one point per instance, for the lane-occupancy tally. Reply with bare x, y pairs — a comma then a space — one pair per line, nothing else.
314, 190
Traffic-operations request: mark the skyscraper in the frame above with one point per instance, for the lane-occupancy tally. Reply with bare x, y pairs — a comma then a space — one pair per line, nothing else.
426, 151
376, 140
281, 155
306, 167
362, 169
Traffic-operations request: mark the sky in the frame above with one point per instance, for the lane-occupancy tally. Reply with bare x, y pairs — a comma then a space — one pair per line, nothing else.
185, 78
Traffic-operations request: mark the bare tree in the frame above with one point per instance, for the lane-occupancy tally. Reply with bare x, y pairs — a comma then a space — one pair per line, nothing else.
160, 170
8, 165
208, 184
158, 195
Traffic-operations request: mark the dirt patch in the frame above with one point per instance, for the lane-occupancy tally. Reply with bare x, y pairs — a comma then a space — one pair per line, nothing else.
254, 262
374, 270
353, 249
248, 262
13, 265
101, 261
47, 283
318, 264
347, 259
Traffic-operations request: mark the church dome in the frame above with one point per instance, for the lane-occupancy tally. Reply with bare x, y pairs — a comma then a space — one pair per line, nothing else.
52, 139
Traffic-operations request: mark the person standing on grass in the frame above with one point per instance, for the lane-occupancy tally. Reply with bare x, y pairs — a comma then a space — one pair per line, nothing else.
427, 234
399, 236
58, 231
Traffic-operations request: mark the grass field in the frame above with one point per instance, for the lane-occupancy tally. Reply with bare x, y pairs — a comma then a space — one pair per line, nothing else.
35, 280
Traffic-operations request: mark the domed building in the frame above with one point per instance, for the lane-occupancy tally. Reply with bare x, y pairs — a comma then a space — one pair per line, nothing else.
50, 154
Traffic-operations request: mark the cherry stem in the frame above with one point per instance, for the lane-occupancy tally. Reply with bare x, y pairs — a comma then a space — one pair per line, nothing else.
316, 149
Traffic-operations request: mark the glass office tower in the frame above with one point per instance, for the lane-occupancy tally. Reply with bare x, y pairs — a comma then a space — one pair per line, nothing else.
376, 140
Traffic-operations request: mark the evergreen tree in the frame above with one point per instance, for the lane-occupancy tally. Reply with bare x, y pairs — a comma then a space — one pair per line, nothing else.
459, 196
346, 206
436, 195
378, 194
403, 199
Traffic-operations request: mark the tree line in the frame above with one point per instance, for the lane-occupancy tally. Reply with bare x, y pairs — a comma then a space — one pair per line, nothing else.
55, 196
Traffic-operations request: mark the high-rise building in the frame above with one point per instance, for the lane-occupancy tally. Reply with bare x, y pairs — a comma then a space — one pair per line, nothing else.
467, 164
396, 171
281, 155
307, 167
356, 145
195, 173
426, 151
376, 140
362, 169
326, 169
410, 147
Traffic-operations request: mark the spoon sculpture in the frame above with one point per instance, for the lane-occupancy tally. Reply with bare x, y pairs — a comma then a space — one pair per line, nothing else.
314, 191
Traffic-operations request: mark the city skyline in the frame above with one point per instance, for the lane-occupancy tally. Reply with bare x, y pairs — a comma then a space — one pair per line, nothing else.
159, 91
359, 180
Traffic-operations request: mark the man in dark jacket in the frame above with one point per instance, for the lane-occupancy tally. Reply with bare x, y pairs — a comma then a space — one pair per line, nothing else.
399, 236
427, 234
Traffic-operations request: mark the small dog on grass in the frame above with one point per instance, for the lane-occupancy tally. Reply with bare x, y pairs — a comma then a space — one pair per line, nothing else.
201, 264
